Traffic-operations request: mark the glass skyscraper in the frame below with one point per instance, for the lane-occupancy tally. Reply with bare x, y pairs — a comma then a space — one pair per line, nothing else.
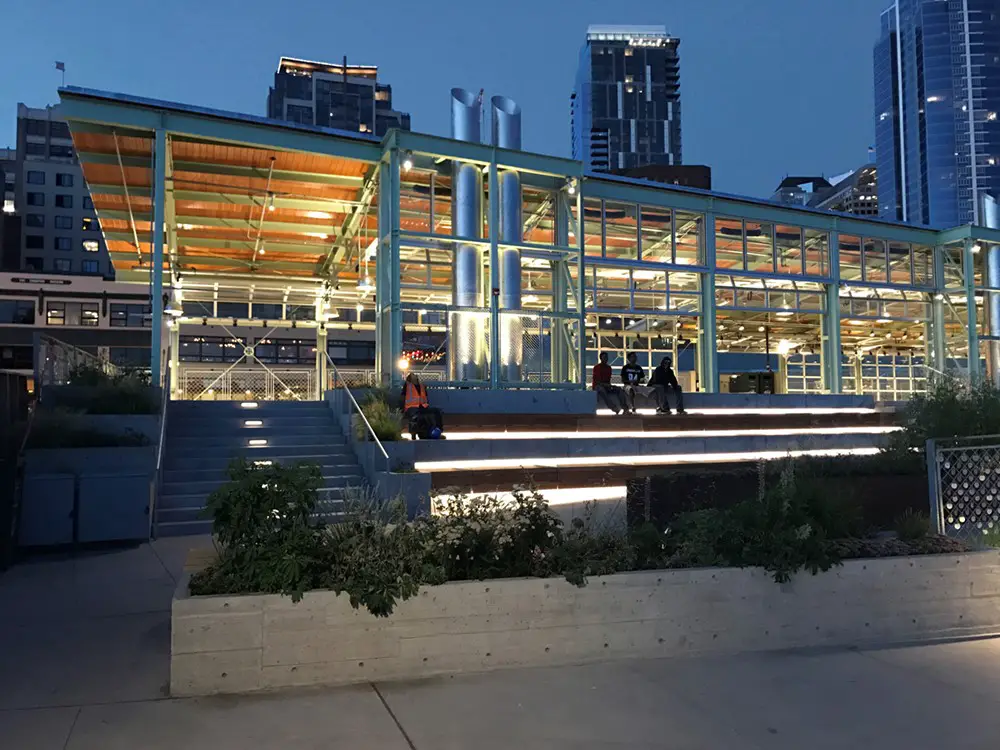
937, 94
626, 104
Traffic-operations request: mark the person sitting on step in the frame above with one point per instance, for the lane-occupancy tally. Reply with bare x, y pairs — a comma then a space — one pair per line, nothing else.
424, 421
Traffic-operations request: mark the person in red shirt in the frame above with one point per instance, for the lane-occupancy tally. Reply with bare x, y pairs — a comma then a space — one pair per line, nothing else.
611, 395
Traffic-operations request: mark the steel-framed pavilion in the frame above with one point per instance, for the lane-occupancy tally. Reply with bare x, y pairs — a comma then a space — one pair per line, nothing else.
309, 224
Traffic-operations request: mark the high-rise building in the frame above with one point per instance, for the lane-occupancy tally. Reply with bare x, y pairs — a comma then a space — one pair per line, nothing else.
59, 228
625, 110
937, 95
342, 96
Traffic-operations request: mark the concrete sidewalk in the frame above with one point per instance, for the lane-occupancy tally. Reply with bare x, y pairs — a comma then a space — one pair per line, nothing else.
84, 666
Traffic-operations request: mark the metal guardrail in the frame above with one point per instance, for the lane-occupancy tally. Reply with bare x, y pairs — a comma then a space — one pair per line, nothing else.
154, 484
357, 408
56, 360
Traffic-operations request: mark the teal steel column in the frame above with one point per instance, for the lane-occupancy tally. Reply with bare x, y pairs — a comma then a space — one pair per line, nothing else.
972, 316
494, 185
934, 337
708, 353
383, 362
832, 375
159, 208
581, 338
395, 331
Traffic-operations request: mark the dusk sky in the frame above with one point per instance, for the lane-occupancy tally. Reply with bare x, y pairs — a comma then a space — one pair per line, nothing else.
768, 87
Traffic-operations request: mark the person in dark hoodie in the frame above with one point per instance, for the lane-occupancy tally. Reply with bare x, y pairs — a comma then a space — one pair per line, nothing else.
633, 376
664, 380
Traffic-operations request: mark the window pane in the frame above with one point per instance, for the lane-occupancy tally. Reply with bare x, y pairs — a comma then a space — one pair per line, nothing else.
64, 243
62, 265
90, 246
689, 232
621, 231
923, 264
899, 263
817, 249
55, 313
63, 222
760, 246
788, 244
267, 312
34, 220
850, 257
64, 180
64, 201
34, 242
592, 226
233, 310
36, 199
874, 259
35, 177
728, 243
656, 234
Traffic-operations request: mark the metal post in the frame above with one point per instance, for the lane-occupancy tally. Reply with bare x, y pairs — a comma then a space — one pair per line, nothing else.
708, 353
495, 274
581, 239
934, 488
968, 266
934, 336
395, 328
159, 204
831, 354
321, 347
174, 335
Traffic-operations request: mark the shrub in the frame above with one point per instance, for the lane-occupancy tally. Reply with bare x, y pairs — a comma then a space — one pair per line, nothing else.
64, 429
386, 423
262, 519
951, 408
97, 392
912, 525
474, 538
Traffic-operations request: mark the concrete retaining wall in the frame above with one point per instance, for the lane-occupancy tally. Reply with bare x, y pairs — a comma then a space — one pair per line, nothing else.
247, 643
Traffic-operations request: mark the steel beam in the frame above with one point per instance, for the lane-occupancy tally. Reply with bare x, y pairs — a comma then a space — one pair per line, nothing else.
832, 356
156, 293
708, 352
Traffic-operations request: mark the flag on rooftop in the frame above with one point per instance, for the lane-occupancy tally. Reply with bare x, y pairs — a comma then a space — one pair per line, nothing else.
60, 66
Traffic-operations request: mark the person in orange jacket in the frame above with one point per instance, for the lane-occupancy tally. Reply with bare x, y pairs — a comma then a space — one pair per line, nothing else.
422, 417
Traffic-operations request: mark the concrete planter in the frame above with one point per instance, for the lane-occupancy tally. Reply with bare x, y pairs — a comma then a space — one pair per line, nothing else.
235, 644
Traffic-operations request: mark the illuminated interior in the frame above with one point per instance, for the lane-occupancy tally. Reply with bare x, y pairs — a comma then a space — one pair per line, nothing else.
282, 244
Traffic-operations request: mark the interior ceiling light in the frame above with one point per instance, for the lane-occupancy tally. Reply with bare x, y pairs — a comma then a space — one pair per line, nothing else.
270, 205
407, 162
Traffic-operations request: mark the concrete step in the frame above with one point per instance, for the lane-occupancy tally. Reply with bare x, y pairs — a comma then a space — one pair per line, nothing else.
204, 409
221, 473
184, 425
230, 441
352, 479
191, 513
201, 460
324, 495
446, 455
183, 528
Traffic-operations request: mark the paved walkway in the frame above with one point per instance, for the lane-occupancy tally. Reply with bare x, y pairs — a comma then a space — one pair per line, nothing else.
83, 666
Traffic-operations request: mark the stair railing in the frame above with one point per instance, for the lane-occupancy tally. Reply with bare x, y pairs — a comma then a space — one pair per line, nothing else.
156, 482
347, 389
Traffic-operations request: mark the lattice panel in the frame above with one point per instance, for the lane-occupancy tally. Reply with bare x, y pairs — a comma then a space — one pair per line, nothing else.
969, 489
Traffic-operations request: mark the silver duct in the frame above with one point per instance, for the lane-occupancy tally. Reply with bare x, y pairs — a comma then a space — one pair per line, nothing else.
468, 345
989, 212
506, 130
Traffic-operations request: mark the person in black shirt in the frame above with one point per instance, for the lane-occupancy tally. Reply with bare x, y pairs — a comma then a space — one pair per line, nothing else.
663, 380
633, 376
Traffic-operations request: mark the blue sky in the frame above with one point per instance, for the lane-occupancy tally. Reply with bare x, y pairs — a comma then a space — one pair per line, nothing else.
768, 87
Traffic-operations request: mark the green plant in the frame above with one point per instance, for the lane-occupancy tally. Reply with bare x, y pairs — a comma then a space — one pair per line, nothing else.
912, 525
991, 538
98, 392
951, 408
386, 423
474, 538
592, 546
263, 521
64, 429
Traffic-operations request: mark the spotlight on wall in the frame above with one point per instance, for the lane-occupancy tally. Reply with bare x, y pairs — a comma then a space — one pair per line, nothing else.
403, 363
976, 248
571, 186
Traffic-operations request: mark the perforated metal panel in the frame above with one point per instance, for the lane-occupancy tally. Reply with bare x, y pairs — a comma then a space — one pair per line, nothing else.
967, 488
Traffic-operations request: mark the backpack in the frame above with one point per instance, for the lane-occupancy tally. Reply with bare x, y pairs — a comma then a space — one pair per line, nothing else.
421, 425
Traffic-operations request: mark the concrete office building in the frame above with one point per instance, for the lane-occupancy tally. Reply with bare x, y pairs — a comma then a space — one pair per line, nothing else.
59, 228
937, 95
625, 110
8, 169
331, 95
854, 192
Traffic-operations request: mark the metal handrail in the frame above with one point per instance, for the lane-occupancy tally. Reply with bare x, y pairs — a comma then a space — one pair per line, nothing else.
357, 408
154, 485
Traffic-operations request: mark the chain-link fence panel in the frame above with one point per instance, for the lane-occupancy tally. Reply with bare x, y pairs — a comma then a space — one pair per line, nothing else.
965, 487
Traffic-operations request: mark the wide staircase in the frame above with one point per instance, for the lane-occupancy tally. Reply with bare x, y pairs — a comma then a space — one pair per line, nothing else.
495, 451
202, 438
